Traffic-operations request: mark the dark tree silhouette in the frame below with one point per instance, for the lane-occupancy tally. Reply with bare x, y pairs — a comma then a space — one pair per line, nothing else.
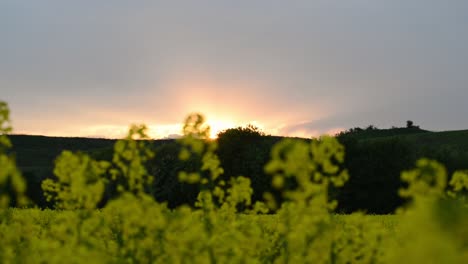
409, 124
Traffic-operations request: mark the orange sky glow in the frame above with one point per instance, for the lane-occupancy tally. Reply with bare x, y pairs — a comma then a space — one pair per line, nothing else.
238, 106
224, 103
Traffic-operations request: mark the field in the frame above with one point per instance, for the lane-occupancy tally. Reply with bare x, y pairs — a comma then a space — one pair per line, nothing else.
48, 236
296, 223
133, 231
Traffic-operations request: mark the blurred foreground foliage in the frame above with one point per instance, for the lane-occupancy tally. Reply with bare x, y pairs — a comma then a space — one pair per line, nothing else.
292, 223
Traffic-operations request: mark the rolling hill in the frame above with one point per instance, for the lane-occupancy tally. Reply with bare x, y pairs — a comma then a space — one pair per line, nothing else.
37, 153
375, 159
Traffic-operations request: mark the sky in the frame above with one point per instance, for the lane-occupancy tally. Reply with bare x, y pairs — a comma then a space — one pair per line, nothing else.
293, 68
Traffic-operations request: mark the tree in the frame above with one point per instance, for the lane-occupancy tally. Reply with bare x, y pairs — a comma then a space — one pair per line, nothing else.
245, 151
409, 124
248, 131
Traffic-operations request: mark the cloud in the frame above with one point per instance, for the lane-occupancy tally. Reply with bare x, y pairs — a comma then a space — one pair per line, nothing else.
173, 136
312, 129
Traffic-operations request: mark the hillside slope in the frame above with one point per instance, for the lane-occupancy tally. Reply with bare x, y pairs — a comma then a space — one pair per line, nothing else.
448, 147
374, 160
37, 153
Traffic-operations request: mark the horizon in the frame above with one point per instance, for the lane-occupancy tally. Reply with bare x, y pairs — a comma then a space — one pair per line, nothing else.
302, 69
177, 136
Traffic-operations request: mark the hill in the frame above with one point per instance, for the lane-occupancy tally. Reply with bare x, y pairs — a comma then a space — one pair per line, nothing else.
448, 147
37, 153
374, 159
374, 132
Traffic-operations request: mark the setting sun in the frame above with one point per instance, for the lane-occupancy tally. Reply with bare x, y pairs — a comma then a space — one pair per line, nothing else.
217, 126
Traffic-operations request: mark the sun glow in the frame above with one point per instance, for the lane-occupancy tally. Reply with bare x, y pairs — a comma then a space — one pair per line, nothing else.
224, 104
217, 126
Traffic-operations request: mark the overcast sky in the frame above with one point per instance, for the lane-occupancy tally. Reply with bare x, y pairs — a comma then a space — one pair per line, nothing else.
91, 68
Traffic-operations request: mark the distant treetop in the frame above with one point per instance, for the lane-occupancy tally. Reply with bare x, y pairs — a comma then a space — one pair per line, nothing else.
247, 131
410, 124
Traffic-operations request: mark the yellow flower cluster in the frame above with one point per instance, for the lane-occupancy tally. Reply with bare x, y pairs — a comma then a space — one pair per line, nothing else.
12, 185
